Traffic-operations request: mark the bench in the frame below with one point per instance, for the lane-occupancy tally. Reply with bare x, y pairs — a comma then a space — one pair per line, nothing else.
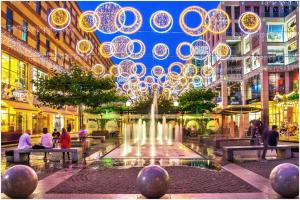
219, 141
102, 138
19, 153
283, 151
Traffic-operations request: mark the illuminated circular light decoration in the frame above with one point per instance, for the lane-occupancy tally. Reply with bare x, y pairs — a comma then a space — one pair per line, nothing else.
59, 19
197, 81
142, 86
161, 21
121, 80
107, 13
206, 71
222, 51
160, 51
113, 70
125, 68
149, 80
132, 28
202, 49
98, 70
249, 22
190, 70
157, 71
162, 80
84, 47
200, 29
175, 74
122, 46
88, 21
106, 50
139, 69
183, 56
140, 53
217, 21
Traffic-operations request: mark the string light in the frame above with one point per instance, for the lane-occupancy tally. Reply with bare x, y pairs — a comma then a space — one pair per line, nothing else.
140, 53
98, 70
140, 73
106, 50
157, 71
222, 51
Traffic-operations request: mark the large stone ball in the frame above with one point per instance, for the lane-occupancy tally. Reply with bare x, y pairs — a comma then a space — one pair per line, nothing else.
284, 180
153, 181
19, 181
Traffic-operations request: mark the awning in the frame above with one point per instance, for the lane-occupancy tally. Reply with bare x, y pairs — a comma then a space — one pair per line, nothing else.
239, 109
17, 105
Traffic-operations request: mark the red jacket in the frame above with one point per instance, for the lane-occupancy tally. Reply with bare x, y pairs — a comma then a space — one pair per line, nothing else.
65, 141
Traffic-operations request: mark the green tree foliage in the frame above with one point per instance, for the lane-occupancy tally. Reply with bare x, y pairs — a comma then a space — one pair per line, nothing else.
197, 101
76, 88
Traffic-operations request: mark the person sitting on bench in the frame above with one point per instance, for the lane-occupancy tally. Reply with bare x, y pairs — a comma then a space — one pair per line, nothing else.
46, 141
25, 141
65, 142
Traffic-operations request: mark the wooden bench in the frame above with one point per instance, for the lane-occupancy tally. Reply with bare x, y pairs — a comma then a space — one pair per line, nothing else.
19, 153
219, 141
283, 151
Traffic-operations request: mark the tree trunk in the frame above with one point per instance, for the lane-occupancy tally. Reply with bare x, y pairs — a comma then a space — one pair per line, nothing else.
80, 114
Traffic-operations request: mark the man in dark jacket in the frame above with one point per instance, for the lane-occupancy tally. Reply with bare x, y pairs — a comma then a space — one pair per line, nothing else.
270, 138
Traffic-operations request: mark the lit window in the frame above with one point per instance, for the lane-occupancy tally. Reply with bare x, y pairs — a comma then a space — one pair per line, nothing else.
24, 31
9, 20
275, 33
275, 55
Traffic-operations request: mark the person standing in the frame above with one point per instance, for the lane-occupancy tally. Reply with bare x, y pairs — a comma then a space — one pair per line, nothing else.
55, 136
25, 141
65, 142
270, 139
83, 133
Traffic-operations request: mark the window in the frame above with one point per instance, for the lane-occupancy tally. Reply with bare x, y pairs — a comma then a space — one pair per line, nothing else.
9, 20
276, 84
246, 44
235, 48
37, 74
234, 93
267, 11
236, 12
64, 35
247, 65
13, 74
275, 11
38, 7
65, 4
256, 10
275, 33
237, 30
24, 31
228, 10
247, 8
47, 47
275, 55
56, 34
253, 89
286, 10
292, 52
229, 31
291, 28
234, 67
37, 39
255, 60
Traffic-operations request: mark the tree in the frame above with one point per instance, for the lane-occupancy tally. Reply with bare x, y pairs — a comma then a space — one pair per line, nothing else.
197, 101
76, 88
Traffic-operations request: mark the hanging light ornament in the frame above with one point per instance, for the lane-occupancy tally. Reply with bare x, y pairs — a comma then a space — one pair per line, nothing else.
160, 51
107, 13
122, 46
222, 51
190, 70
59, 19
175, 74
106, 50
202, 49
157, 71
217, 21
201, 28
98, 70
139, 69
249, 22
161, 21
185, 56
84, 47
125, 68
113, 70
121, 25
140, 53
206, 71
88, 21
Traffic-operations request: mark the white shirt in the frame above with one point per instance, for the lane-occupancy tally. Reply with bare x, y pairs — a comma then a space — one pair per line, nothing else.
24, 141
46, 140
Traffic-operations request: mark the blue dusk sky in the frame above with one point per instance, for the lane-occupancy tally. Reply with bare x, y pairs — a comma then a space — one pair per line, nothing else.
147, 35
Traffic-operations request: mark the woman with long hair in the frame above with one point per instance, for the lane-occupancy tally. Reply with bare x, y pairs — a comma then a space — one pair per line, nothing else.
65, 142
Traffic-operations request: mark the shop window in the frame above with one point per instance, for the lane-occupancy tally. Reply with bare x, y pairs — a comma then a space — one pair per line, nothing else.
253, 90
292, 52
24, 31
275, 55
234, 94
291, 28
39, 121
37, 74
276, 84
275, 33
9, 20
38, 7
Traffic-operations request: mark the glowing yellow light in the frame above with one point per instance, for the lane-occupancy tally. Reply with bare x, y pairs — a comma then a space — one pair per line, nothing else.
185, 57
173, 74
113, 70
223, 51
98, 70
86, 24
60, 16
200, 29
206, 71
218, 21
106, 50
250, 21
84, 47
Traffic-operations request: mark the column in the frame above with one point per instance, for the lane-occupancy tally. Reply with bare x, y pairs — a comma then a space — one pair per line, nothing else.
287, 82
264, 97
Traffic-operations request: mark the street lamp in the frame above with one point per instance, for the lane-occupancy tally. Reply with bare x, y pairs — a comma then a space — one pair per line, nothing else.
176, 103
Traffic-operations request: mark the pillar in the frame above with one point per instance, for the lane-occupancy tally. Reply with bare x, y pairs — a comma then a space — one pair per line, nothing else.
264, 97
287, 82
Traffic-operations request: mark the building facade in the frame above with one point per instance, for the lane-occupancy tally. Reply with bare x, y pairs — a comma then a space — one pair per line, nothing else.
31, 49
262, 67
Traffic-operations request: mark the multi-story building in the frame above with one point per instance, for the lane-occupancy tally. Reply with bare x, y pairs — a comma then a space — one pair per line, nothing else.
31, 49
261, 65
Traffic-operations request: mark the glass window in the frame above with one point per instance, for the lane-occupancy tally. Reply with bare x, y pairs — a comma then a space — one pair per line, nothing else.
255, 60
37, 74
275, 33
256, 10
253, 89
47, 47
292, 52
275, 11
246, 44
234, 94
38, 7
275, 55
247, 65
237, 30
236, 12
286, 10
291, 28
37, 40
9, 20
24, 31
228, 10
234, 67
276, 84
247, 8
229, 31
267, 11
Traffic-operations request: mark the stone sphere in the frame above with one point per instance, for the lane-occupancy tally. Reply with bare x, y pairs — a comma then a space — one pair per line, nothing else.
284, 180
153, 181
19, 181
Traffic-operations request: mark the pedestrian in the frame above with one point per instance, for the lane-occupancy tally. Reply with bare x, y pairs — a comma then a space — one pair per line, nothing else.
55, 136
273, 136
25, 141
83, 133
65, 142
46, 141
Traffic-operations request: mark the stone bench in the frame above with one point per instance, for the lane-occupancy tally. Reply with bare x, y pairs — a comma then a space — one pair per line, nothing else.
19, 155
283, 151
219, 141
